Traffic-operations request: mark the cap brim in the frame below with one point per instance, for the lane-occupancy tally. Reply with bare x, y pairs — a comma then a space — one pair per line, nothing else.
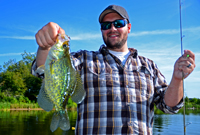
104, 13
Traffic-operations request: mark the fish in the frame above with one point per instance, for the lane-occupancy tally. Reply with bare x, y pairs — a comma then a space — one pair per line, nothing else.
61, 81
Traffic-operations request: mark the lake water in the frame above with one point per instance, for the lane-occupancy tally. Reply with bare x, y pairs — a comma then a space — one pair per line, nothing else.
38, 122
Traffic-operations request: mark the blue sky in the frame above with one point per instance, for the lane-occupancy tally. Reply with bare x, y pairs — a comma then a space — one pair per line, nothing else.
155, 29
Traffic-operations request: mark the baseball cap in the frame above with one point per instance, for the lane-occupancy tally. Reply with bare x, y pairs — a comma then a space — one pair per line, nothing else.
114, 9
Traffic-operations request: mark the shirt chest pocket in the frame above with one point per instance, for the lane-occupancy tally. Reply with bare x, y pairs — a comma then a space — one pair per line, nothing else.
140, 83
103, 78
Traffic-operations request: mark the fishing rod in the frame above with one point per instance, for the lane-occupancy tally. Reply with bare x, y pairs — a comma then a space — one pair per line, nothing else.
181, 35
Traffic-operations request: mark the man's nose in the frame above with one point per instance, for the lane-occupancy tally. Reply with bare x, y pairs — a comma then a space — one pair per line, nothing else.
113, 27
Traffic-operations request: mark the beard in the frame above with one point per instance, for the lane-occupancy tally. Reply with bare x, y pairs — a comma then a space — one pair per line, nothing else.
118, 44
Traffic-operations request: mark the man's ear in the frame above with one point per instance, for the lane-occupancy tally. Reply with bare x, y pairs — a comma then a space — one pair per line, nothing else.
129, 27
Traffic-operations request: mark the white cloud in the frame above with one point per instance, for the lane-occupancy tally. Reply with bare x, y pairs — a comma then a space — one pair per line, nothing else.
13, 54
165, 32
155, 32
90, 36
10, 54
87, 36
19, 37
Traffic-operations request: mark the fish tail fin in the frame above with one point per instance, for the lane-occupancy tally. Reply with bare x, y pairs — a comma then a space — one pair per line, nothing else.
64, 121
60, 119
79, 93
43, 99
55, 122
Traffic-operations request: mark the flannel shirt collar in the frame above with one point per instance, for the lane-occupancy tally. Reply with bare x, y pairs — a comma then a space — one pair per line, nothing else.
104, 50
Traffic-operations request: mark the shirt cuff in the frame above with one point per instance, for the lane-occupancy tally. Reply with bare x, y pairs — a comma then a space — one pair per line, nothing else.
160, 103
172, 110
37, 71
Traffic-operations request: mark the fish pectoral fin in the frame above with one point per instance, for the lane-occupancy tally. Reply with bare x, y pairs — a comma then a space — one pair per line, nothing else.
44, 100
55, 121
79, 92
64, 121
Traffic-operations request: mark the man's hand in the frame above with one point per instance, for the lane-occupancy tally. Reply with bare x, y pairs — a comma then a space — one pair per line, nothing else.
182, 68
184, 65
46, 37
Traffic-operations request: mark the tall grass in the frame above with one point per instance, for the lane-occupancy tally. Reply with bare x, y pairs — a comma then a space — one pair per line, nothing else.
21, 105
7, 105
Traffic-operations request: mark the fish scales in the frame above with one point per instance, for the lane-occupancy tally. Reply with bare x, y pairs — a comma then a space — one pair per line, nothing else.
61, 81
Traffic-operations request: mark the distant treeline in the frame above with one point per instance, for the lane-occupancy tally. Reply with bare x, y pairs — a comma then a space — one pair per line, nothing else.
18, 85
192, 103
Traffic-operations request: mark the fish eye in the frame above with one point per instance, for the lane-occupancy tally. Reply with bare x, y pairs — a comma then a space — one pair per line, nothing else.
65, 45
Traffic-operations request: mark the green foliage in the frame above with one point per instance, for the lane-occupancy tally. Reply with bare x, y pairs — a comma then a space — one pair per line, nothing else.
193, 103
8, 105
5, 105
157, 111
198, 101
187, 99
16, 82
33, 85
13, 81
71, 104
194, 100
18, 87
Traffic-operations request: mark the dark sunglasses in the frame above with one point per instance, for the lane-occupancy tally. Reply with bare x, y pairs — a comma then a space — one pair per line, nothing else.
117, 23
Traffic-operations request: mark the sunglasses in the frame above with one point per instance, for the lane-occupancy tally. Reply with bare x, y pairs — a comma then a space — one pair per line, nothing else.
117, 23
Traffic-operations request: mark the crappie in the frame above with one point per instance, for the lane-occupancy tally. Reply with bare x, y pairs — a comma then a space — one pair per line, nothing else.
61, 81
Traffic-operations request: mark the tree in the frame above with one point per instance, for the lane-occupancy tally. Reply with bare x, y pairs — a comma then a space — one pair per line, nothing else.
186, 99
194, 100
14, 82
16, 79
198, 102
33, 85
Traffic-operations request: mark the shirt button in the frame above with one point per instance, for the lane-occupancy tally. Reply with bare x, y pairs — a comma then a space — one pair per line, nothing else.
130, 123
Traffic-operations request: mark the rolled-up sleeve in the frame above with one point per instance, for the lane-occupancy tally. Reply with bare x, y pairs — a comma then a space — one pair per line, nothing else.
160, 86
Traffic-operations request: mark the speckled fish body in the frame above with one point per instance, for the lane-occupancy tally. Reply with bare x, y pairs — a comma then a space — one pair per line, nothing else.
61, 81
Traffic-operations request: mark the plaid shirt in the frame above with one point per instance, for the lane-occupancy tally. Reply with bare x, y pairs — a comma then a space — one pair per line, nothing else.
120, 98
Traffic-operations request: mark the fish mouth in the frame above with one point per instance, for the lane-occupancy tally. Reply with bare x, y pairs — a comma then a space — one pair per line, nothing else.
63, 37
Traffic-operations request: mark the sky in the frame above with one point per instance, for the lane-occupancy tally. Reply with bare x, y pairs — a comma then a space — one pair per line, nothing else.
155, 29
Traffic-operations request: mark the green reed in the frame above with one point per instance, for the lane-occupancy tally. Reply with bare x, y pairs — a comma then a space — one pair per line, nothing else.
7, 105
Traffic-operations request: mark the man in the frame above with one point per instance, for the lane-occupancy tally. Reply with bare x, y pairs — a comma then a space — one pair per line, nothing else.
122, 87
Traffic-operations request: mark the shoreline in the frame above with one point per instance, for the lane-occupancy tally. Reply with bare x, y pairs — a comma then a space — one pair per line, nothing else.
25, 109
40, 109
30, 109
